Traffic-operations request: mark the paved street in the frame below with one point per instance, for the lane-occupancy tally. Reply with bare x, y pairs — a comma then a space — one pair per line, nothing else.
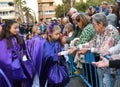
76, 82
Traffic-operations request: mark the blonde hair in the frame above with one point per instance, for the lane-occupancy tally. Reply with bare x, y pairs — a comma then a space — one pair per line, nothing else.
49, 31
34, 29
56, 27
69, 26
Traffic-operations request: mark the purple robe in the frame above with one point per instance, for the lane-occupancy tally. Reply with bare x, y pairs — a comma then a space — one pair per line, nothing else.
4, 82
6, 56
44, 55
28, 44
36, 52
49, 58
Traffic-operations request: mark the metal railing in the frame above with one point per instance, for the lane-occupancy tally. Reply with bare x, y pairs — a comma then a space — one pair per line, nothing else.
92, 76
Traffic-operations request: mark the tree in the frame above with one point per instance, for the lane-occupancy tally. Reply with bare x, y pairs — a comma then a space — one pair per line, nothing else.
19, 4
62, 10
28, 14
81, 6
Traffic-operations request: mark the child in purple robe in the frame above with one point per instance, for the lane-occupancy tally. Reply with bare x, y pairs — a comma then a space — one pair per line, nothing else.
34, 46
10, 48
35, 43
51, 48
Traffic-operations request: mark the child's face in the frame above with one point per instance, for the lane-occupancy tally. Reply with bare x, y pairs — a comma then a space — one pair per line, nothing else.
30, 36
38, 31
14, 29
55, 35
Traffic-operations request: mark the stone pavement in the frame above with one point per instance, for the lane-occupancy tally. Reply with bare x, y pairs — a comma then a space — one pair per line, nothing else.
76, 82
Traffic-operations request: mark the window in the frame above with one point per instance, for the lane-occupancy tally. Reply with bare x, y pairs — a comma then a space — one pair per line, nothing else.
50, 12
51, 4
40, 13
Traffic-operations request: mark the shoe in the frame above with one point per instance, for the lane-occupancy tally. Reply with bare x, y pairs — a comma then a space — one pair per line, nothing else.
77, 72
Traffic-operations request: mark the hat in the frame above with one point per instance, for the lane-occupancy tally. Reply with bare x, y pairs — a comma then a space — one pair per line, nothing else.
104, 2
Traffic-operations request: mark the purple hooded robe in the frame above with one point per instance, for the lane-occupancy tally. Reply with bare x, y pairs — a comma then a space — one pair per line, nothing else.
49, 59
6, 59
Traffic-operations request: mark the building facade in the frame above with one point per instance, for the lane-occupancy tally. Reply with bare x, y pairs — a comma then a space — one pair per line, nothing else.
7, 9
46, 9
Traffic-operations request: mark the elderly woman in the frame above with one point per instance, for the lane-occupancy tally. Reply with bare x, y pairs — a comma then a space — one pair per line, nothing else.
106, 37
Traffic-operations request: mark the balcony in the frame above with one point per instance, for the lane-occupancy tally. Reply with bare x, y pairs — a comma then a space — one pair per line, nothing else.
6, 0
7, 8
8, 16
46, 8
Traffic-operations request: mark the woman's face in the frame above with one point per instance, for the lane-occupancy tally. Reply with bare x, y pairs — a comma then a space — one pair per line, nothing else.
14, 28
96, 26
110, 9
74, 20
79, 24
55, 35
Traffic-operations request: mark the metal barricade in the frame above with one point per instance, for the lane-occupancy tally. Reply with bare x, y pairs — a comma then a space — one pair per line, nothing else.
89, 72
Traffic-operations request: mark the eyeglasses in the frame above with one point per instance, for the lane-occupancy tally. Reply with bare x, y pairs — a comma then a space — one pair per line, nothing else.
94, 24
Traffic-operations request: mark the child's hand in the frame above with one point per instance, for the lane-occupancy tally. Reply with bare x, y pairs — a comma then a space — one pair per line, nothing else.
59, 54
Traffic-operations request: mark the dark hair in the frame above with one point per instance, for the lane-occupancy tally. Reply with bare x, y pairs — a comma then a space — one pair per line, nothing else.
118, 14
114, 8
27, 36
7, 35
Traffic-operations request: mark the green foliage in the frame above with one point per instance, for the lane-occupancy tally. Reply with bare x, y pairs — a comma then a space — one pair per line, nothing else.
59, 11
62, 10
66, 1
81, 6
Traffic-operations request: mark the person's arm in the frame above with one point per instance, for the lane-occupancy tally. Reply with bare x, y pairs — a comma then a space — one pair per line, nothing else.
107, 63
86, 35
115, 49
114, 63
